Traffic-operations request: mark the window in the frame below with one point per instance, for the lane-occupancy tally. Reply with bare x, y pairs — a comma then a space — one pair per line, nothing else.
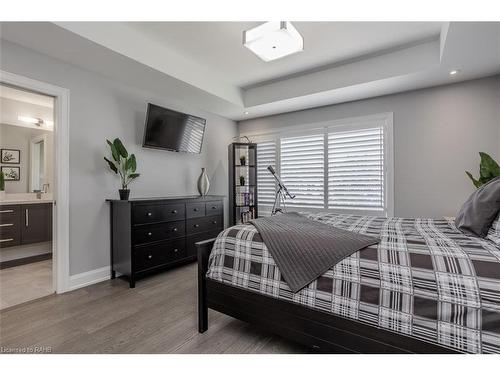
345, 166
266, 187
356, 169
302, 170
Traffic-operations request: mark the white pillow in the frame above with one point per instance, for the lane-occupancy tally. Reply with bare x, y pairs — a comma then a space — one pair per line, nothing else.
494, 231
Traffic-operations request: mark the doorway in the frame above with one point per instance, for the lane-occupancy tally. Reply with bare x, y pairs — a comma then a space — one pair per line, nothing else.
26, 201
34, 261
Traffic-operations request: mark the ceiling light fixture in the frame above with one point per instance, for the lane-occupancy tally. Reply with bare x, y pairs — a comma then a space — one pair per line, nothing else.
273, 40
454, 72
35, 121
29, 120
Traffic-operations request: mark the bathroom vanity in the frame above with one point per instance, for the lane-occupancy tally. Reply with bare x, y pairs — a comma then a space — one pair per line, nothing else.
25, 221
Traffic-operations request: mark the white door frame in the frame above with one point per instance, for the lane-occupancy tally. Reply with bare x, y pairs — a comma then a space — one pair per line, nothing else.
60, 235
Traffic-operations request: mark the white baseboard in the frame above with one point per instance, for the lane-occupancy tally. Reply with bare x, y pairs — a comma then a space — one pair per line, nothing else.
88, 278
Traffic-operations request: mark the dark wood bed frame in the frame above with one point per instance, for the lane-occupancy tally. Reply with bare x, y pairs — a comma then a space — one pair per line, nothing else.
321, 331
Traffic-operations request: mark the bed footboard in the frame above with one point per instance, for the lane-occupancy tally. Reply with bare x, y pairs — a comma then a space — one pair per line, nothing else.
204, 249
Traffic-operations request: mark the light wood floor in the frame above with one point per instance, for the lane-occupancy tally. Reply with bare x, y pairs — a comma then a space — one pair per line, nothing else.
158, 316
25, 283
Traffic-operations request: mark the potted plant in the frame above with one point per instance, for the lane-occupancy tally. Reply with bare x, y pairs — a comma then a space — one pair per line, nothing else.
488, 170
242, 180
122, 164
243, 160
2, 186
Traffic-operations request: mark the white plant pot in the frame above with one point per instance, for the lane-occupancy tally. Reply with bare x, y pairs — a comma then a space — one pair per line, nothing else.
2, 195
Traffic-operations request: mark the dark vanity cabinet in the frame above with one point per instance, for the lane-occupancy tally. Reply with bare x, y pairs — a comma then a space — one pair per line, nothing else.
23, 224
36, 223
156, 234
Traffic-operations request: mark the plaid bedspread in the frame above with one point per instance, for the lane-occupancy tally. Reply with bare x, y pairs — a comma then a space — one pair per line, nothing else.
424, 279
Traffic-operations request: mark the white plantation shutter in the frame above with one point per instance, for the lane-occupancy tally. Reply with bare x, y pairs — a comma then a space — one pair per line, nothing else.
266, 187
356, 169
302, 170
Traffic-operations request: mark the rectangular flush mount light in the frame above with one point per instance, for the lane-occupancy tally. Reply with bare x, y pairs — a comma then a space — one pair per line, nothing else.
273, 40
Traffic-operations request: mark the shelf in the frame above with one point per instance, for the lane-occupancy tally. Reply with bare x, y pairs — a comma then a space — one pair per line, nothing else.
242, 198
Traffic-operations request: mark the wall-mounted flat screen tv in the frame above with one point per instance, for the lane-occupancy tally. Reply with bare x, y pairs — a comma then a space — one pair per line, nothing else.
174, 131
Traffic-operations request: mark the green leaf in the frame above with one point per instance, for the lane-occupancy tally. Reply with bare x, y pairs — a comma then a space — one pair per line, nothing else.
122, 151
114, 152
134, 175
476, 183
111, 165
488, 168
131, 163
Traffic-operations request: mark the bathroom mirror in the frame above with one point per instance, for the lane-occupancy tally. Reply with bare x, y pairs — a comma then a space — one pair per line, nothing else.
38, 163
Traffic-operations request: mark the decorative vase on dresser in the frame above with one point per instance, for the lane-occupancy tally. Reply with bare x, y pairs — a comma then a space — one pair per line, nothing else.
203, 183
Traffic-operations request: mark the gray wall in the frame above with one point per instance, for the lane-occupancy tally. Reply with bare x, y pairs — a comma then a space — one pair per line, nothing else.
437, 135
101, 108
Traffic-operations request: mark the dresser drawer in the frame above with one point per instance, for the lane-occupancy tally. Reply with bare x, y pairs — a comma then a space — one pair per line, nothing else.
159, 254
213, 208
157, 213
10, 214
203, 224
158, 232
195, 210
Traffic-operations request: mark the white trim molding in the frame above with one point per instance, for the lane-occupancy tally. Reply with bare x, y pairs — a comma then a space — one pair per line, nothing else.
83, 279
61, 176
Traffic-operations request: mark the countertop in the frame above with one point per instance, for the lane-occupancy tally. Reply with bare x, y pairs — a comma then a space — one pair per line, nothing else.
28, 198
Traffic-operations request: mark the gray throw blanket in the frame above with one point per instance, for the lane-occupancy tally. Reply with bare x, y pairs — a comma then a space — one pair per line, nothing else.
304, 249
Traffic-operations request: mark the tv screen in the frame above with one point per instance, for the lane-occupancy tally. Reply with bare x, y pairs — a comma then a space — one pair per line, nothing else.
173, 131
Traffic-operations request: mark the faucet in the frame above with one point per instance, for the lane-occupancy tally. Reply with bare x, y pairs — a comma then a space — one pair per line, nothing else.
45, 188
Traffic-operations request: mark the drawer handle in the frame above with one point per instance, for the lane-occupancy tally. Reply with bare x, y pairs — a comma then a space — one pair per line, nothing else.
214, 222
214, 207
149, 213
195, 209
197, 225
174, 211
7, 240
6, 225
6, 211
150, 256
150, 234
174, 229
176, 250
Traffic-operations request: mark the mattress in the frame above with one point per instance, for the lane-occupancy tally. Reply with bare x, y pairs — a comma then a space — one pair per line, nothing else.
425, 279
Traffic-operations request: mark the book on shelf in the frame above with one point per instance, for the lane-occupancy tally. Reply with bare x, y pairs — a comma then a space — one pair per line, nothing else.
244, 199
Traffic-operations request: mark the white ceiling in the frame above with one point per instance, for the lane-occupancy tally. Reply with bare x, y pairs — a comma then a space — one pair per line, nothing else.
12, 93
209, 68
218, 45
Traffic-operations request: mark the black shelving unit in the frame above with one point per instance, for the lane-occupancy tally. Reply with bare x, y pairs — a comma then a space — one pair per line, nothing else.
242, 197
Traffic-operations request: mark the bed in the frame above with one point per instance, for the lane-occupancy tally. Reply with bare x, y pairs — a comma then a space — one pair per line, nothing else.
425, 288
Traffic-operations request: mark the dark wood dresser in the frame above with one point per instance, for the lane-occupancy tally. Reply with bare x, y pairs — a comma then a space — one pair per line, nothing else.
153, 234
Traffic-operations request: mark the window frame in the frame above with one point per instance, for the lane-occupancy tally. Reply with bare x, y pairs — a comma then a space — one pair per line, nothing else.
324, 127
